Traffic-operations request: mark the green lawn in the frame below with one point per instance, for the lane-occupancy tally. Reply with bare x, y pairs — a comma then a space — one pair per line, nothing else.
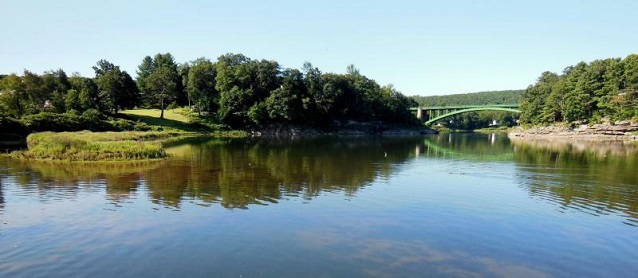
173, 118
168, 114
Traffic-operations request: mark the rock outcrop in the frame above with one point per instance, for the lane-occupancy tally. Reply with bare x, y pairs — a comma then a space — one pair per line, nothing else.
622, 130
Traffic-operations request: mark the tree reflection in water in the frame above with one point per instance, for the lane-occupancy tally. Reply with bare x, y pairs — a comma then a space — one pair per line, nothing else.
590, 176
596, 178
235, 173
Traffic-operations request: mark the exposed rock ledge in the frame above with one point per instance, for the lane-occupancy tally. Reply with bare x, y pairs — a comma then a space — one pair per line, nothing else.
350, 128
623, 130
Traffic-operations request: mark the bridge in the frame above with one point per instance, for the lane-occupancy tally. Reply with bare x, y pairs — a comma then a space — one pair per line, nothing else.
431, 115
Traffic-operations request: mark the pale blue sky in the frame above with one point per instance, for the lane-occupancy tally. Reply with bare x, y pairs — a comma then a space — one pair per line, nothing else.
422, 47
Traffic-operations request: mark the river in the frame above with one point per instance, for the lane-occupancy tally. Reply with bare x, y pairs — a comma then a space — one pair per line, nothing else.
451, 205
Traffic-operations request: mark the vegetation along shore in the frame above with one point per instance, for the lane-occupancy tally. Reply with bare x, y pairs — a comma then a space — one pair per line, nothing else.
239, 96
232, 96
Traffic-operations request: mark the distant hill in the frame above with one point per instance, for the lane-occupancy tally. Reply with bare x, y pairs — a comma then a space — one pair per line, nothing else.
479, 98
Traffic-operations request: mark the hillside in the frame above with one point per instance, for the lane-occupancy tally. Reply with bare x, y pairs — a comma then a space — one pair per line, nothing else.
479, 98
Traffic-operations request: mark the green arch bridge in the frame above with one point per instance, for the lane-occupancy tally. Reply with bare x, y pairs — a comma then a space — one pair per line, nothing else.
431, 115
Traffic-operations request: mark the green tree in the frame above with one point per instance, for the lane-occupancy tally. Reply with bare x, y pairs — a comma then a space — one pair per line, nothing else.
201, 85
629, 91
56, 85
286, 103
314, 86
35, 91
143, 71
630, 75
72, 101
13, 96
535, 97
183, 98
578, 97
330, 99
393, 106
116, 89
161, 87
613, 83
149, 65
243, 85
88, 94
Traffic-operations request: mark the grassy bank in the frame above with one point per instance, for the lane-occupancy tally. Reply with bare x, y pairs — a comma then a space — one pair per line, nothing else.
121, 145
95, 146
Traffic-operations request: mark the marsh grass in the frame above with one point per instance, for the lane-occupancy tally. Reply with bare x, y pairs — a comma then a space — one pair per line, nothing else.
96, 146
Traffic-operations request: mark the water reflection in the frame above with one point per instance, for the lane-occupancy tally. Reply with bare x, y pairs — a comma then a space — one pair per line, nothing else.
597, 178
1, 196
481, 147
590, 177
239, 173
235, 173
353, 207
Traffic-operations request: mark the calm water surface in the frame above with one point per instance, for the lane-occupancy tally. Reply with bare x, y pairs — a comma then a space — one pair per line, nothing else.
445, 205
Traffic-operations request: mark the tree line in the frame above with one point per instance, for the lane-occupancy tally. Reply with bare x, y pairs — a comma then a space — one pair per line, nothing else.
602, 89
234, 90
478, 98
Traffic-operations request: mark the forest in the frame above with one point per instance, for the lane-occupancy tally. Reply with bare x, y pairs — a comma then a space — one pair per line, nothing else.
235, 91
479, 98
585, 92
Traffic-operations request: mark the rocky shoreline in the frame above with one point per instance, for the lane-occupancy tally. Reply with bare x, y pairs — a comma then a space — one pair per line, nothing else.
350, 128
622, 130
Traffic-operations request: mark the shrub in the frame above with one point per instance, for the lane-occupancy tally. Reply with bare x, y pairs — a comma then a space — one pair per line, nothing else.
71, 121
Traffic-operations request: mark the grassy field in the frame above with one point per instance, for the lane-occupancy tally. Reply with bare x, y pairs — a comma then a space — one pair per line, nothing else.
179, 115
177, 119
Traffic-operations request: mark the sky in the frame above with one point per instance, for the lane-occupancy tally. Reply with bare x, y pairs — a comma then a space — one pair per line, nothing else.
421, 47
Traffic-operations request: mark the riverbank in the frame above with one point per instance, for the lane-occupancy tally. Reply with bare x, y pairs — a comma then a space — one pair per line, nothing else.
350, 128
623, 130
86, 146
151, 133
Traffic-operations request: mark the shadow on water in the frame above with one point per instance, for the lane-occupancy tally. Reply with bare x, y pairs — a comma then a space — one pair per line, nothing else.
593, 177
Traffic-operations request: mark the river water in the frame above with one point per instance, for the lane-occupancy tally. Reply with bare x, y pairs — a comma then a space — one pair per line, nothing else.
441, 205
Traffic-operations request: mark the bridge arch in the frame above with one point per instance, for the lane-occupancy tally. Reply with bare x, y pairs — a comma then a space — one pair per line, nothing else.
472, 109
